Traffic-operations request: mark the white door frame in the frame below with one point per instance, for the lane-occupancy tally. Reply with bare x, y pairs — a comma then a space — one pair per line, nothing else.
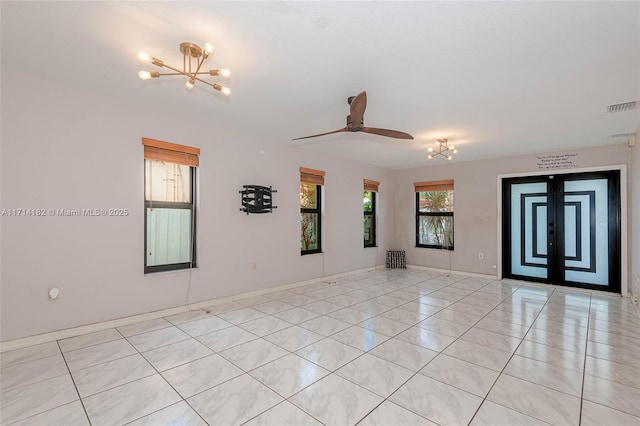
624, 276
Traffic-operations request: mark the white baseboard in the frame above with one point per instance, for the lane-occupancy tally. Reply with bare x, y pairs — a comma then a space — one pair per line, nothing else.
11, 345
446, 271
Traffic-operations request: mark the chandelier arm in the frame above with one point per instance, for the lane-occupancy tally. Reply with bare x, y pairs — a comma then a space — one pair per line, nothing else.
185, 74
176, 70
204, 81
199, 65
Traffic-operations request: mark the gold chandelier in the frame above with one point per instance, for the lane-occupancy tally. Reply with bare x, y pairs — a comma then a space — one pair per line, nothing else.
192, 59
443, 148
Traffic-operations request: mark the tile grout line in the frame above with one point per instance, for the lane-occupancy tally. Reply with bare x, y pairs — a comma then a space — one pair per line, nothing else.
418, 371
356, 384
439, 352
509, 360
163, 378
74, 384
584, 364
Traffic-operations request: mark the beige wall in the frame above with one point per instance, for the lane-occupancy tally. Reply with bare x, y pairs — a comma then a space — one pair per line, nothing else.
475, 199
68, 149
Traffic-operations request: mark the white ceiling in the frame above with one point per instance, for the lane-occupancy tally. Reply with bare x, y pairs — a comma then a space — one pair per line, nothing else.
496, 78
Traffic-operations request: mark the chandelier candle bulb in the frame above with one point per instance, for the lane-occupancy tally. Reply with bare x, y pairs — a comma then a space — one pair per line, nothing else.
144, 57
144, 75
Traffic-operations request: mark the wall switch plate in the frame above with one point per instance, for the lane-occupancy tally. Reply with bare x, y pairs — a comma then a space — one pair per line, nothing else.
481, 256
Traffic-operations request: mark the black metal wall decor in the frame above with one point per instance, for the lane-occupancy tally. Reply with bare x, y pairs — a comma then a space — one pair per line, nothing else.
257, 199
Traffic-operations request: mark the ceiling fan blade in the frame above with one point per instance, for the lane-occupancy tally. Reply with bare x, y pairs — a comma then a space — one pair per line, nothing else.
388, 133
357, 106
344, 129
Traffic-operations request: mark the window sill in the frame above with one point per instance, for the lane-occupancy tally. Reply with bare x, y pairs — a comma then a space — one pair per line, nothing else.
437, 248
173, 271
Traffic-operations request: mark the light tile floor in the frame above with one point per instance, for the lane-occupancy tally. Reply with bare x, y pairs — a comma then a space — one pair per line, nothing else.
388, 347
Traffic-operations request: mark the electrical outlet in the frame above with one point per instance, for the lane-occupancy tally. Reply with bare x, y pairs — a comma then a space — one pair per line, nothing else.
480, 256
635, 299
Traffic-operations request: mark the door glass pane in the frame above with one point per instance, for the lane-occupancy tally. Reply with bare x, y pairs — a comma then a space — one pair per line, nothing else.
528, 242
586, 231
309, 235
572, 226
168, 236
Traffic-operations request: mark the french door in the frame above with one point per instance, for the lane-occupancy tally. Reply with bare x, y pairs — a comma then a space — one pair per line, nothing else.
563, 229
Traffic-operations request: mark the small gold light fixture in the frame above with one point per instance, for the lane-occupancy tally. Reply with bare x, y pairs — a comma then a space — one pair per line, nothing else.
442, 148
192, 59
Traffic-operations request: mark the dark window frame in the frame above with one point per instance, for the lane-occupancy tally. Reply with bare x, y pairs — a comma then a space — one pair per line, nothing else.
318, 212
372, 213
432, 214
173, 205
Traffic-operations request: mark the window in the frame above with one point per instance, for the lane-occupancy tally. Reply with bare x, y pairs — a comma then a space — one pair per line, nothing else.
434, 214
170, 199
311, 182
369, 200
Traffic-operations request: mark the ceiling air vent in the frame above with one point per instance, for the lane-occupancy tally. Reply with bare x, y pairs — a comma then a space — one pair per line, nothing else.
625, 106
621, 135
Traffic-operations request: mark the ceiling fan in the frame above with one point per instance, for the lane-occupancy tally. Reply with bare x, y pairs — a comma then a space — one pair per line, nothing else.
355, 121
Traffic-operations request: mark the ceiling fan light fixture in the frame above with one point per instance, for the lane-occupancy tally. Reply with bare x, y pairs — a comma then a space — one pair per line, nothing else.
443, 149
192, 59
